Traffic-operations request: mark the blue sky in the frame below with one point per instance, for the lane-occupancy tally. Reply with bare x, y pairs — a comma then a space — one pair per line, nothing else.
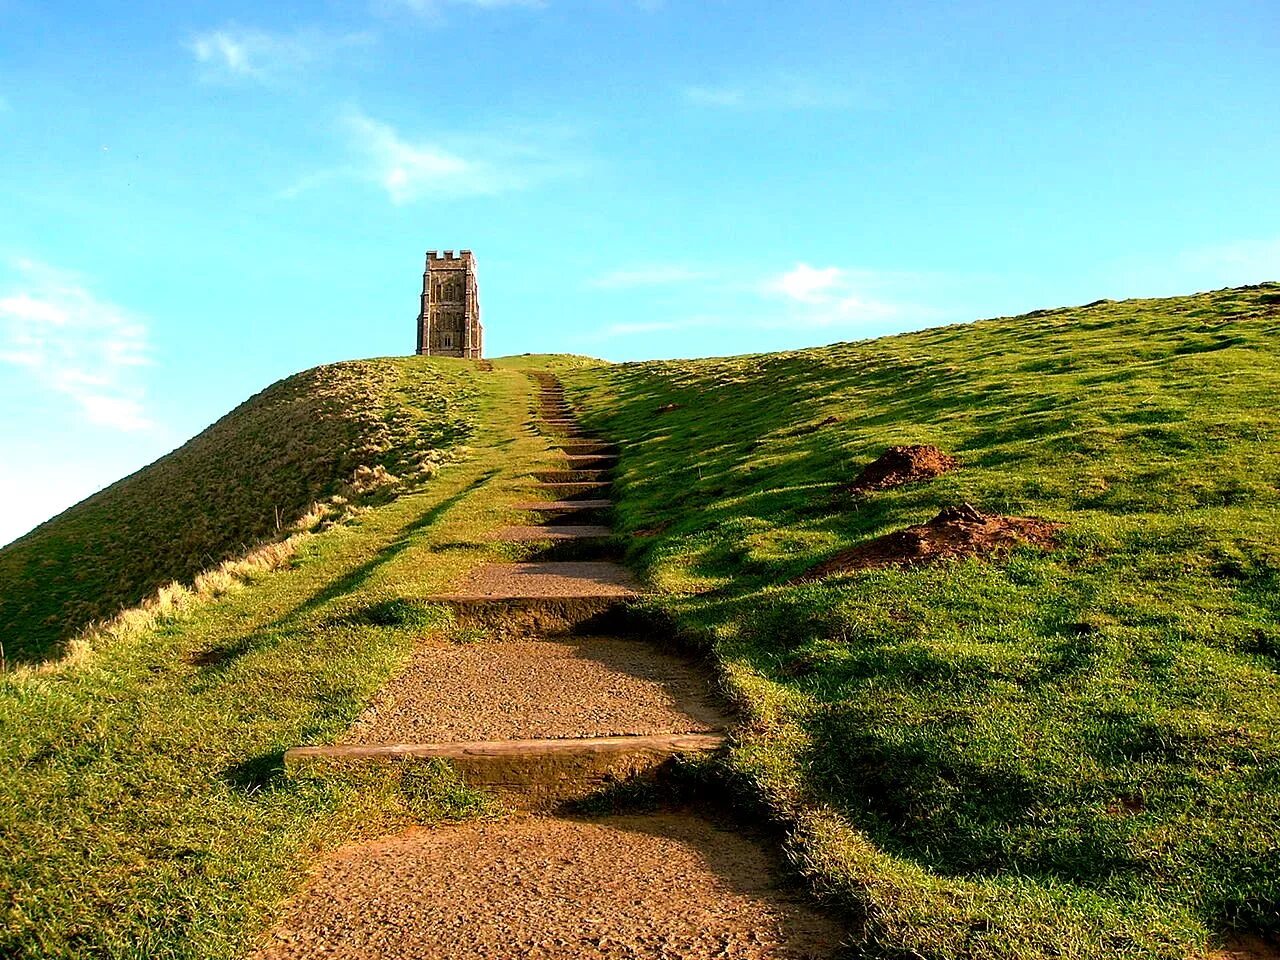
198, 199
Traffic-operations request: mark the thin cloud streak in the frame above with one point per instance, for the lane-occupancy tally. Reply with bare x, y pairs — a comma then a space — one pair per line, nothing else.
447, 168
234, 54
782, 91
436, 9
76, 345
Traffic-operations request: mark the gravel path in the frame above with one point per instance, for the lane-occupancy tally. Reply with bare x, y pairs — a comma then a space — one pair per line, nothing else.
670, 885
533, 689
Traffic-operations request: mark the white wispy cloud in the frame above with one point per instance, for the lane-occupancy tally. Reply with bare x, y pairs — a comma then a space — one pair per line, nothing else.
656, 275
435, 8
776, 91
234, 53
75, 344
839, 297
805, 283
448, 167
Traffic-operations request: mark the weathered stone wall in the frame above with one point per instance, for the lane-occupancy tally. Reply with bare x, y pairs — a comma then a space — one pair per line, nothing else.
449, 308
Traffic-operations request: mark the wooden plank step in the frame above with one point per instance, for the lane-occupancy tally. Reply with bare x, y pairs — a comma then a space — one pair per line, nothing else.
553, 532
563, 488
563, 506
571, 475
668, 743
525, 581
530, 774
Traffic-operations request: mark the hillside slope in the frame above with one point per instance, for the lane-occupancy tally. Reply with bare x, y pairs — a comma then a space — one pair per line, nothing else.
244, 479
143, 806
1062, 752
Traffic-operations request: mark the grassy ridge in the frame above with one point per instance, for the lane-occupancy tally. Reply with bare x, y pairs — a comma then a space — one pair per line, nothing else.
142, 807
242, 480
1065, 754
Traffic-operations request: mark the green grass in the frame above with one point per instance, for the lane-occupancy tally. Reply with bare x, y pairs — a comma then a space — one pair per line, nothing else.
143, 810
1070, 754
1067, 754
241, 481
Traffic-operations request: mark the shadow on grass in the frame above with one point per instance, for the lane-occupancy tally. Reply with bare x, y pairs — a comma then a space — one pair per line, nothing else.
217, 660
356, 578
259, 773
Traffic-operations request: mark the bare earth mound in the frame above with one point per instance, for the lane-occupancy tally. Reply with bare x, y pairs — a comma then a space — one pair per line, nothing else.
956, 532
902, 465
670, 885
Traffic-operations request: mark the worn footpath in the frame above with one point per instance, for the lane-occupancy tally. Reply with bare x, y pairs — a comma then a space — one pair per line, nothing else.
561, 700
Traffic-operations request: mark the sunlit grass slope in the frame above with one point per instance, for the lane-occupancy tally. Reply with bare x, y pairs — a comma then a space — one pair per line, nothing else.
247, 477
1074, 753
143, 810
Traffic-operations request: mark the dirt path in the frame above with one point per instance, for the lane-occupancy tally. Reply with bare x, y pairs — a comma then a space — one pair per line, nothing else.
531, 689
668, 885
550, 718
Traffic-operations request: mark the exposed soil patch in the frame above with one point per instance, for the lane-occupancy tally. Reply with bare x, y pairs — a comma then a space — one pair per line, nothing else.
532, 689
1247, 947
651, 531
960, 531
213, 656
898, 466
669, 885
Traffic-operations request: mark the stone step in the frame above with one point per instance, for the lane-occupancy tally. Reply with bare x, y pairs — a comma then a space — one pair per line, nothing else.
553, 532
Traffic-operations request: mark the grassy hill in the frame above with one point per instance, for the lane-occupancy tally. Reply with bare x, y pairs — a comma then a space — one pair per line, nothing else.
143, 807
1065, 752
1072, 752
245, 479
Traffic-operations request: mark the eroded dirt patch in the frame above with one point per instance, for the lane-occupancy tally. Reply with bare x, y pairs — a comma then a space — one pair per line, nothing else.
956, 532
897, 466
666, 885
1248, 947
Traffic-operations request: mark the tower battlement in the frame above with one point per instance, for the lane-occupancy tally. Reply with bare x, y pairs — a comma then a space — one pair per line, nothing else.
448, 257
449, 308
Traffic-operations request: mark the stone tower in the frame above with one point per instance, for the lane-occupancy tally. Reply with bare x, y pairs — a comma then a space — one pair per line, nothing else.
449, 315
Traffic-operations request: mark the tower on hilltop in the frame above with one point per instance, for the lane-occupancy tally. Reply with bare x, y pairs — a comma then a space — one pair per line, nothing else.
449, 315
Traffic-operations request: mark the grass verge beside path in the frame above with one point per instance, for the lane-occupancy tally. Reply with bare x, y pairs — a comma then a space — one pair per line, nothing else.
333, 430
1065, 754
142, 810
